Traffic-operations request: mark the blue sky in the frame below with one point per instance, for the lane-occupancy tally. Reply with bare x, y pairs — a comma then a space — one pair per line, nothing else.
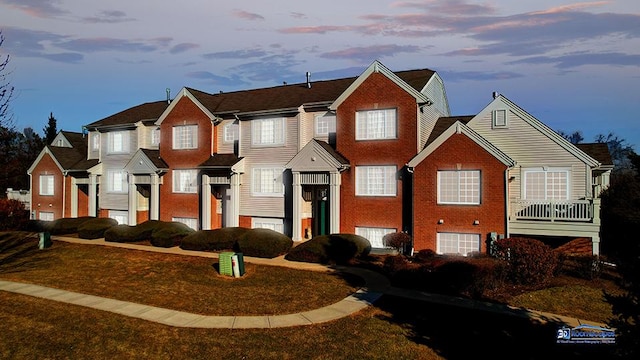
573, 65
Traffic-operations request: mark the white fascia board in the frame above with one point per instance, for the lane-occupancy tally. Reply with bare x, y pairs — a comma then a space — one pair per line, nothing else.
39, 158
184, 93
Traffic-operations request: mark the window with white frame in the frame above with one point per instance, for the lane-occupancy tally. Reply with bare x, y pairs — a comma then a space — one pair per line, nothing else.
499, 118
185, 137
118, 142
155, 136
95, 141
324, 124
459, 187
376, 124
116, 181
185, 181
268, 132
190, 222
550, 184
376, 181
268, 223
267, 181
121, 216
230, 133
46, 215
456, 243
374, 235
46, 184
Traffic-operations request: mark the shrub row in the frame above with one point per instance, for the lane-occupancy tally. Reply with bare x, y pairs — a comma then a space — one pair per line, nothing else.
262, 243
331, 249
159, 233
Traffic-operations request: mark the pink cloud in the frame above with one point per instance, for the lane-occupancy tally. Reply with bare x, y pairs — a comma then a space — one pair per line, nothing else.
241, 14
571, 7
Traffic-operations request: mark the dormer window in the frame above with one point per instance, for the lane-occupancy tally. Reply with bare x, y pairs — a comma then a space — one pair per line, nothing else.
118, 142
230, 133
155, 137
500, 119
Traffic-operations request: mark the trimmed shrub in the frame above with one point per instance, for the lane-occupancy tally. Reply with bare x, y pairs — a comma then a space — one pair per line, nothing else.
263, 243
331, 249
66, 225
169, 234
397, 240
122, 234
13, 216
528, 261
584, 266
213, 240
95, 228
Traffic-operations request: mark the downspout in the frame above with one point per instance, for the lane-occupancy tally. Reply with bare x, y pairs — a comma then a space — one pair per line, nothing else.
64, 192
411, 208
507, 201
32, 214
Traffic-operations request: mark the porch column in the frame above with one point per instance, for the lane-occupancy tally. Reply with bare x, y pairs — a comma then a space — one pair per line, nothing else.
74, 198
133, 201
206, 202
93, 194
595, 240
335, 180
233, 218
297, 208
154, 207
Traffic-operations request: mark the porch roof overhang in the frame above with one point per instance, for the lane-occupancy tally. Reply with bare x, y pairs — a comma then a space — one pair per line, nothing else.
317, 156
146, 161
220, 161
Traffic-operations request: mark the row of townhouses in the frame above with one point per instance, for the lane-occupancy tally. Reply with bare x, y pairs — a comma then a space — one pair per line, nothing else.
367, 155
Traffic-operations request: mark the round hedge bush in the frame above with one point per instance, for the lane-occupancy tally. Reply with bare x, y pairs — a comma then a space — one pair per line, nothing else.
122, 234
95, 228
64, 226
169, 234
527, 261
331, 249
263, 243
213, 240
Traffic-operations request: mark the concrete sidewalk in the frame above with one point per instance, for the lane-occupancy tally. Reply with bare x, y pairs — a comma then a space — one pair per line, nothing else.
375, 286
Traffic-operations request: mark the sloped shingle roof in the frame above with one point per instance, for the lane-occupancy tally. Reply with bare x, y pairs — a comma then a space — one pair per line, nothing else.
220, 161
146, 111
74, 158
598, 151
154, 156
443, 123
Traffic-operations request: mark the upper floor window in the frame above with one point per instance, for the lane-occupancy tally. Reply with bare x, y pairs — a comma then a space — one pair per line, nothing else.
230, 133
550, 184
46, 184
118, 142
376, 181
185, 137
267, 182
459, 187
267, 132
185, 181
155, 137
324, 124
499, 118
376, 124
95, 141
116, 181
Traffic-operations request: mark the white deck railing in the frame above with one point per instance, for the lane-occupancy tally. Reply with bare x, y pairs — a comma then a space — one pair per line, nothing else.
554, 210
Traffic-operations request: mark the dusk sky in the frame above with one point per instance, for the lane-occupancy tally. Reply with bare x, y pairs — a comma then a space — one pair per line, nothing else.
572, 65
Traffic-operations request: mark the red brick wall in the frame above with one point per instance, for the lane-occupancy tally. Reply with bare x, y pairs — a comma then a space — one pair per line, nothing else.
245, 222
376, 92
491, 213
54, 203
185, 112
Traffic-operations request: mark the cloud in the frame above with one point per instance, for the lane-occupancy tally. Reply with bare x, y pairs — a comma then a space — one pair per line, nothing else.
236, 54
180, 48
89, 45
370, 53
297, 15
37, 8
29, 43
241, 14
212, 78
571, 7
108, 17
451, 7
580, 59
455, 76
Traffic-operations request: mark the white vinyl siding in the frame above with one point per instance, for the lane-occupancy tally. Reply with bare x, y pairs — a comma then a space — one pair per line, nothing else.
546, 185
268, 132
267, 223
376, 124
185, 181
118, 142
376, 181
323, 125
46, 215
46, 185
190, 222
374, 235
230, 133
267, 182
459, 187
185, 137
122, 217
461, 244
116, 181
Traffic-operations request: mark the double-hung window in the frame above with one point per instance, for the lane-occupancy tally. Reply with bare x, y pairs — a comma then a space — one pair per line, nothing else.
550, 184
376, 181
267, 182
95, 141
185, 137
46, 184
190, 222
268, 132
116, 181
230, 133
376, 124
325, 124
268, 223
155, 137
118, 142
185, 181
459, 187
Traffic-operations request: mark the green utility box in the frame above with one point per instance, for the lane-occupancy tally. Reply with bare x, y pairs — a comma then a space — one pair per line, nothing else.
44, 240
225, 263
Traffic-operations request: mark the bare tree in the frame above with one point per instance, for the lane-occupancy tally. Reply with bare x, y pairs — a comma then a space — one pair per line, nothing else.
6, 90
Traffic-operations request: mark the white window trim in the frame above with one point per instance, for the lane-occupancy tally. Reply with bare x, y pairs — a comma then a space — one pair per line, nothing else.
125, 142
121, 216
178, 137
48, 215
458, 172
390, 131
495, 116
330, 125
460, 251
47, 187
231, 133
374, 235
278, 181
257, 126
275, 224
111, 188
546, 170
193, 189
390, 172
190, 222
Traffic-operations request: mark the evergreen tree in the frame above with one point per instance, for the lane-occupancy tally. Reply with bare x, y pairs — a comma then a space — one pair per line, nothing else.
50, 130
